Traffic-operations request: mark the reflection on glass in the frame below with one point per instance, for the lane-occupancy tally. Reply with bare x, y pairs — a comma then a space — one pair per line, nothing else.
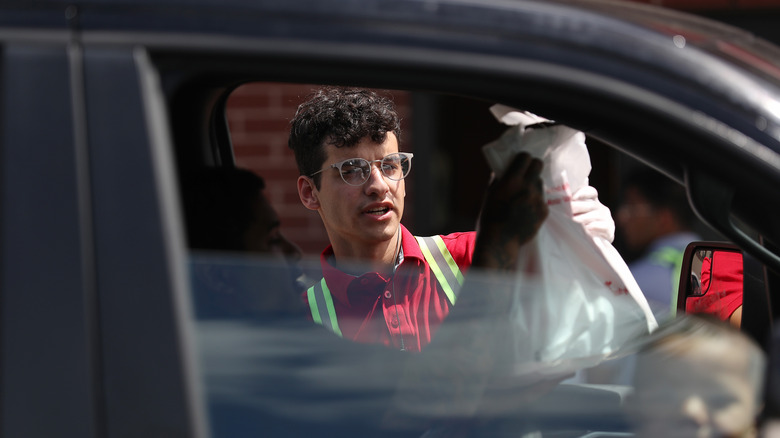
715, 286
267, 371
233, 285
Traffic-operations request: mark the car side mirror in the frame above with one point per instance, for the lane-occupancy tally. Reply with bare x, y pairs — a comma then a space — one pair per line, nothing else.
711, 281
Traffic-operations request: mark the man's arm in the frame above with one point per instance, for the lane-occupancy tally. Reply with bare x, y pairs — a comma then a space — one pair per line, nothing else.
449, 378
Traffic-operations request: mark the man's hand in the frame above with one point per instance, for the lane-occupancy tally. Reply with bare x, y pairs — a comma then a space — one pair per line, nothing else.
513, 212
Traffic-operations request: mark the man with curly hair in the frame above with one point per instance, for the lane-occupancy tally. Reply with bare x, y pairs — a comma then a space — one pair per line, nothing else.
381, 284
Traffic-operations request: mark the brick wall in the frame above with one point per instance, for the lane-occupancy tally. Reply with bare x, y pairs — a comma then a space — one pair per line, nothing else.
258, 116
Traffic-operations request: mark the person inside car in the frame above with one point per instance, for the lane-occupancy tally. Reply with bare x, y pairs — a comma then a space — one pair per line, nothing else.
655, 223
697, 377
225, 210
382, 284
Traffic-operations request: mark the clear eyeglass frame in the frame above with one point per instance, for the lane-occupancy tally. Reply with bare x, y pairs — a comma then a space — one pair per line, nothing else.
356, 171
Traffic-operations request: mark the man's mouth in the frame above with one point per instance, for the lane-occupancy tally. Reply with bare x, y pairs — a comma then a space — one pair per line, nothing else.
378, 211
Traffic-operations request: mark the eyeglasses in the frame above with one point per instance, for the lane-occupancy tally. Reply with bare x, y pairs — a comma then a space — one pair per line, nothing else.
356, 171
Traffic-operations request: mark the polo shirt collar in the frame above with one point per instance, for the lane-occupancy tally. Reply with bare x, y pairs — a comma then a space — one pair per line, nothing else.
339, 281
409, 245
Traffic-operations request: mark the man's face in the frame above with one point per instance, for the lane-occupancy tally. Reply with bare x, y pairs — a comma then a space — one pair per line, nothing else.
264, 236
366, 215
637, 221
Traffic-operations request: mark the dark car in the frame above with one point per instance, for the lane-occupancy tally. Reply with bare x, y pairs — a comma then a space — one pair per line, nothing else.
107, 105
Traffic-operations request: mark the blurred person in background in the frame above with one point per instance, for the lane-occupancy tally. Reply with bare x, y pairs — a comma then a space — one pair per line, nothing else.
654, 225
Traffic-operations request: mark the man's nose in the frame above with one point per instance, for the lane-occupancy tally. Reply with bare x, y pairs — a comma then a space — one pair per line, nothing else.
376, 182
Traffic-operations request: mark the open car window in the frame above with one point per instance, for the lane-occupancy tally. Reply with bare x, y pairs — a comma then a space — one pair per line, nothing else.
508, 360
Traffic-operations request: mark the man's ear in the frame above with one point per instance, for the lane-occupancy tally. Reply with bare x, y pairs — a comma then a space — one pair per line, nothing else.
308, 193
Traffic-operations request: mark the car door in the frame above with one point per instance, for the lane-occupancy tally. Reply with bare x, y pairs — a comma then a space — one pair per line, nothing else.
140, 280
92, 343
49, 344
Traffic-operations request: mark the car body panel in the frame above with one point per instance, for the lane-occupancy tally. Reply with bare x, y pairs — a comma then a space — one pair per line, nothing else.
143, 345
47, 275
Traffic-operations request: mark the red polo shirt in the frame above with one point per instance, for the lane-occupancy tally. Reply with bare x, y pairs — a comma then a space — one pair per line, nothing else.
374, 309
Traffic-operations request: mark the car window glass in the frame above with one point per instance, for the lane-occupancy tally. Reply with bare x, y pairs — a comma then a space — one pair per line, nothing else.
268, 365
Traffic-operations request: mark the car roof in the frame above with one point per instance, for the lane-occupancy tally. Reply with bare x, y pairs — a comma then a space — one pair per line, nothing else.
670, 44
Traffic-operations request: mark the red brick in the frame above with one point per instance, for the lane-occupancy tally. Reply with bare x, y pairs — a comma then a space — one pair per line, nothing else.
267, 125
239, 100
249, 154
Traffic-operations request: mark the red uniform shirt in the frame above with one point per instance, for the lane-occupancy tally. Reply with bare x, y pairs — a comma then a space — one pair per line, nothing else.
374, 309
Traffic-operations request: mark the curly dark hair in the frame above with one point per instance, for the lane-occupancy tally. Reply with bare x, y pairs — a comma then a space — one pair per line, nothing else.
341, 117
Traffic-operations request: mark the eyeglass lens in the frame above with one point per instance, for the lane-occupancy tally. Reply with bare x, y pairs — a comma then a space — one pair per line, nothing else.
357, 170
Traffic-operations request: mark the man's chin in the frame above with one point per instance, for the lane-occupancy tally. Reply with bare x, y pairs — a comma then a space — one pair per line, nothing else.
386, 232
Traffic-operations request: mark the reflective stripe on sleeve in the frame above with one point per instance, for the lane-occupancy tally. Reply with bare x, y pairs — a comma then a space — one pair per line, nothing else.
673, 258
321, 305
442, 264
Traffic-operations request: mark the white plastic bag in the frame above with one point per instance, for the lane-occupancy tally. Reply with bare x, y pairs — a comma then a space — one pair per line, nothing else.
575, 301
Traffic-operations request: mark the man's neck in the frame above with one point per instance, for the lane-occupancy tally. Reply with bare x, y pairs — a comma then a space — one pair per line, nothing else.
358, 260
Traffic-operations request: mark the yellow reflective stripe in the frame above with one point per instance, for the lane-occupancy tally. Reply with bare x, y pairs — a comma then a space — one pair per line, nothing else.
315, 310
673, 257
321, 306
448, 258
334, 323
436, 261
438, 273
